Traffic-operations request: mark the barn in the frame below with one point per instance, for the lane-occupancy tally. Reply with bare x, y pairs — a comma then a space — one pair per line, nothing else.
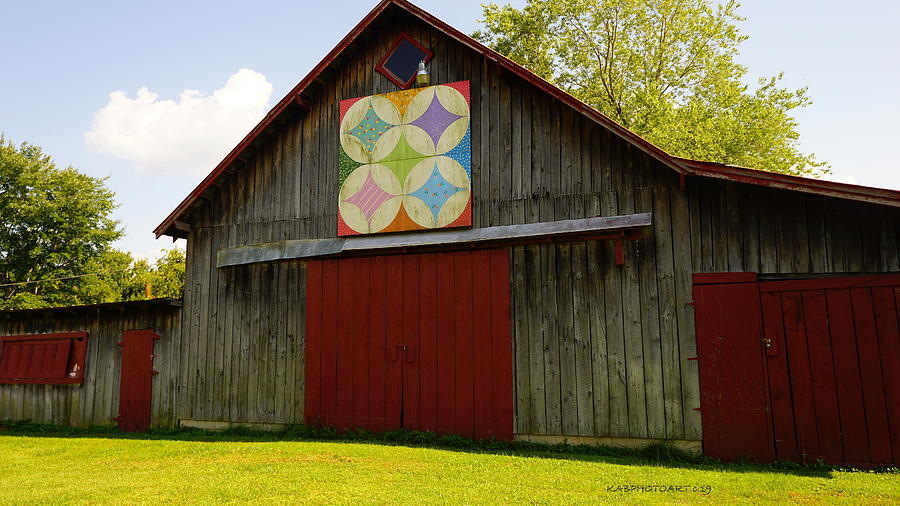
489, 257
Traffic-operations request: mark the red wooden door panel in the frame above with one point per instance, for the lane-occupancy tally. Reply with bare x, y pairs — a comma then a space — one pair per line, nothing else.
422, 342
830, 373
734, 406
136, 380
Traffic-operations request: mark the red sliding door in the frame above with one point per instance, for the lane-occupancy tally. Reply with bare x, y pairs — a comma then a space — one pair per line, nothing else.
421, 342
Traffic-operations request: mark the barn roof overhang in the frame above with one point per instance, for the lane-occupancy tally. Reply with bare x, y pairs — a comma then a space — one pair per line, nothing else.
174, 224
597, 228
132, 305
788, 182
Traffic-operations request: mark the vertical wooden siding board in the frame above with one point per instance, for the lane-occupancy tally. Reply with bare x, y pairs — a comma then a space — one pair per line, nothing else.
828, 423
596, 297
410, 339
534, 281
884, 301
527, 167
446, 380
615, 335
346, 287
584, 385
780, 398
655, 388
797, 351
818, 252
890, 252
683, 227
835, 239
501, 346
283, 301
256, 359
231, 341
464, 351
426, 356
521, 325
634, 348
378, 345
565, 331
550, 331
330, 329
549, 163
360, 344
533, 209
733, 228
516, 146
567, 179
505, 190
846, 369
482, 345
801, 237
216, 330
243, 298
668, 320
749, 228
485, 166
870, 366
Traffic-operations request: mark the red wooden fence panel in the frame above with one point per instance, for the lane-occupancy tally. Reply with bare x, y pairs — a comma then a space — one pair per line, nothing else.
136, 380
422, 342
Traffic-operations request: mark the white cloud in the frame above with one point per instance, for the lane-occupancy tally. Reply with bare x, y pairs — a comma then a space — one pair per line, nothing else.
190, 135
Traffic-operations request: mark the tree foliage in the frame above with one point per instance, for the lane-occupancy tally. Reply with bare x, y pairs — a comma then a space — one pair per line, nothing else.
123, 278
55, 237
664, 69
53, 223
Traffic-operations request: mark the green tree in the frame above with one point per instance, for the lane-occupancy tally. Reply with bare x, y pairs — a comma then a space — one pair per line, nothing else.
664, 69
53, 224
121, 277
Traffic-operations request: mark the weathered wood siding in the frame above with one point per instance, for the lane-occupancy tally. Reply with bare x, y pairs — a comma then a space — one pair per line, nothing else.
599, 349
96, 400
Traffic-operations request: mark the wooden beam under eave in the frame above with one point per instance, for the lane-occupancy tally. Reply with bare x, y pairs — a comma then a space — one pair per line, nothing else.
604, 227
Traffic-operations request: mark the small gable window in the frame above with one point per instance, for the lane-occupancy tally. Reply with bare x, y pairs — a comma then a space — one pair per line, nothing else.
402, 61
43, 358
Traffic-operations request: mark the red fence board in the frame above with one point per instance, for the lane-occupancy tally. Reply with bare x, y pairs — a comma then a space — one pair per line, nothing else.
422, 342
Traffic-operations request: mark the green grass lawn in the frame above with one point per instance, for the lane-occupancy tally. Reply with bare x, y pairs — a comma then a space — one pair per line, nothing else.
107, 467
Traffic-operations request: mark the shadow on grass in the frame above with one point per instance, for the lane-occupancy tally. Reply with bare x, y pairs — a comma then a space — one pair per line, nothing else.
657, 454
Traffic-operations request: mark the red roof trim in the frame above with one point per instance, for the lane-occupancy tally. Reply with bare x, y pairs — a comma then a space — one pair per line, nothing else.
794, 183
678, 164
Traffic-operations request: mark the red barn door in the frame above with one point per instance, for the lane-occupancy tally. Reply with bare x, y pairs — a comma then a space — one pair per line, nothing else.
421, 342
733, 405
136, 380
800, 370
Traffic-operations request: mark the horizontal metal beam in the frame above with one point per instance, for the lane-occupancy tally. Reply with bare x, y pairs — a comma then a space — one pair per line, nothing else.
586, 228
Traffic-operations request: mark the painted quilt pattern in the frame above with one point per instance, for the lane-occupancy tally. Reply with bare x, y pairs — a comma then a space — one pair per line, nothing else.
406, 161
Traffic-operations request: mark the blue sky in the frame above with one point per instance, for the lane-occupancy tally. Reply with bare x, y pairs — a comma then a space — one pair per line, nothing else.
62, 60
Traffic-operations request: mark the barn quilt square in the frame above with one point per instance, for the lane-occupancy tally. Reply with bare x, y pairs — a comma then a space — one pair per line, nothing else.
406, 161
